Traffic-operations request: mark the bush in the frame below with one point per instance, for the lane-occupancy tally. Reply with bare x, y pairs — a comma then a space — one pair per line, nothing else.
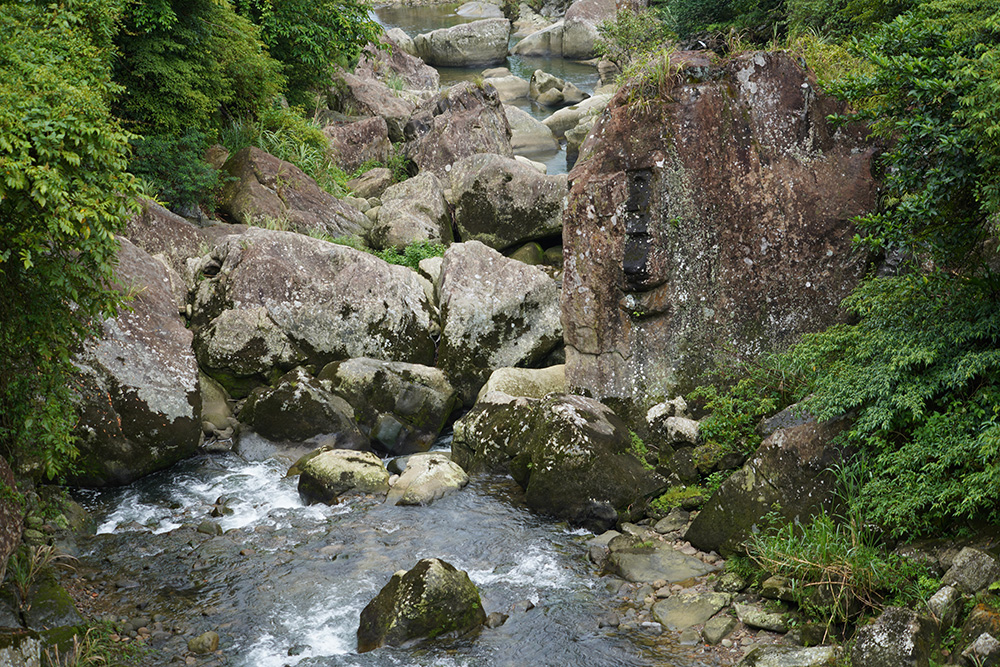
412, 254
176, 170
631, 34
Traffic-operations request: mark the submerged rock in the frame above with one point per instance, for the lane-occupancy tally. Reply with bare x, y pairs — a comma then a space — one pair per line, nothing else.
330, 474
430, 600
139, 397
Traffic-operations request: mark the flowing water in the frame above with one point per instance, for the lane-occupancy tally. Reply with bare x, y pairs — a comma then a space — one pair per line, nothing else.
416, 20
285, 583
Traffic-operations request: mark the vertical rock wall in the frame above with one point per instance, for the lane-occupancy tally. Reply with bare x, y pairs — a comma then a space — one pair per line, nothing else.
707, 222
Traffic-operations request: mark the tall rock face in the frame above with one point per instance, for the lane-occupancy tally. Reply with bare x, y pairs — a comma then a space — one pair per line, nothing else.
708, 222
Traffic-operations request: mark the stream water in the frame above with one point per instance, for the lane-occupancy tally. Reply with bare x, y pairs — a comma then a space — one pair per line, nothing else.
416, 20
285, 583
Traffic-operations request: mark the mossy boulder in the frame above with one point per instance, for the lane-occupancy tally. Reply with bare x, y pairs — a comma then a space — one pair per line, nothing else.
504, 203
492, 432
298, 408
790, 471
331, 474
430, 600
496, 312
50, 606
403, 407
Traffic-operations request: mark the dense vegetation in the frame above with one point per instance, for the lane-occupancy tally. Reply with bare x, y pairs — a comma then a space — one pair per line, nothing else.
101, 100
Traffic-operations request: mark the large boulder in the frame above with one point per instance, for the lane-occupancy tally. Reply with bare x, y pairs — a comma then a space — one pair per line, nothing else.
270, 300
354, 144
502, 203
528, 135
428, 601
482, 42
403, 407
461, 121
898, 638
790, 471
163, 233
495, 312
545, 42
264, 188
299, 407
686, 245
508, 86
580, 36
140, 403
489, 436
427, 477
365, 96
529, 382
394, 66
328, 475
414, 211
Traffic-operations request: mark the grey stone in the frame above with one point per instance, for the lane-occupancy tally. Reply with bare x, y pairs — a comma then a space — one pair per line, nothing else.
414, 211
718, 628
677, 519
790, 656
427, 477
509, 87
898, 638
330, 474
482, 42
20, 649
683, 610
944, 606
756, 617
972, 571
529, 136
544, 42
528, 382
207, 642
983, 652
649, 565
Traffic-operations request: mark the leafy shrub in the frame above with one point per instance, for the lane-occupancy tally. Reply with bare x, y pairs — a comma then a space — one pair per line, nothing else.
630, 34
412, 254
639, 450
175, 168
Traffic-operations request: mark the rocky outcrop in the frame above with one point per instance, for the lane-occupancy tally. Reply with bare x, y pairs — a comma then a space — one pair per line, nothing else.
354, 144
163, 233
482, 42
298, 407
268, 189
464, 120
272, 300
402, 407
898, 638
364, 96
551, 91
503, 203
790, 471
139, 399
569, 454
428, 601
683, 242
427, 477
328, 475
528, 135
414, 211
495, 312
372, 183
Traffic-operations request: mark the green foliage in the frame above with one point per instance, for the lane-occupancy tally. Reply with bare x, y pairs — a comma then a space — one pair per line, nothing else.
638, 449
288, 135
762, 387
175, 168
411, 255
186, 63
762, 18
920, 371
311, 37
932, 91
64, 194
838, 568
95, 646
630, 34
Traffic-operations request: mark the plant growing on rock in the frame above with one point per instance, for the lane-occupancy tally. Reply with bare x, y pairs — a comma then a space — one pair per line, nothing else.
630, 34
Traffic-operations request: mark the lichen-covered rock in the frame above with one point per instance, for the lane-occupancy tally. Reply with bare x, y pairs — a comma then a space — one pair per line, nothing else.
983, 652
397, 64
266, 188
529, 382
403, 407
464, 120
573, 463
414, 211
299, 407
267, 300
683, 610
492, 432
685, 244
215, 408
482, 42
755, 616
791, 470
580, 34
365, 96
427, 477
898, 638
353, 144
49, 605
528, 135
790, 656
432, 599
972, 571
646, 564
139, 398
336, 472
160, 232
503, 203
372, 183
944, 606
495, 312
